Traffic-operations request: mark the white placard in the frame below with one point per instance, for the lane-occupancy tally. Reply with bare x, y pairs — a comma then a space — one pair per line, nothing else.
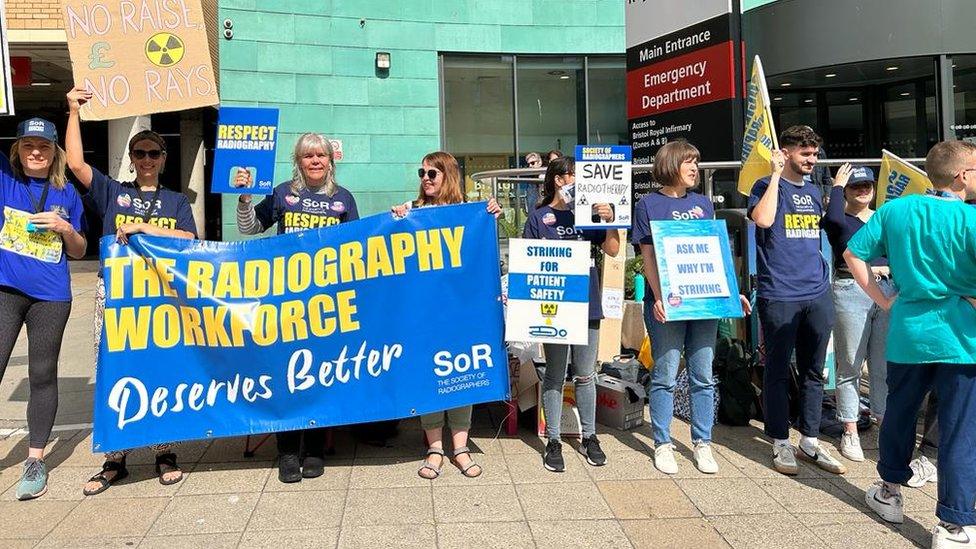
7, 83
603, 176
548, 291
613, 303
695, 267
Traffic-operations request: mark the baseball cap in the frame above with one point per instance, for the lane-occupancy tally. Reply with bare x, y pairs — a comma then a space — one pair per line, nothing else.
861, 175
37, 127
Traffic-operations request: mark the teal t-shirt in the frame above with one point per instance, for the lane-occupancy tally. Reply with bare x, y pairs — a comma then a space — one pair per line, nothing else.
930, 243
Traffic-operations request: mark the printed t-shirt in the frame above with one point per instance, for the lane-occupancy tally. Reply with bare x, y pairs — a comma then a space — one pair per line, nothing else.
304, 210
930, 243
840, 226
548, 223
789, 264
657, 206
35, 264
119, 203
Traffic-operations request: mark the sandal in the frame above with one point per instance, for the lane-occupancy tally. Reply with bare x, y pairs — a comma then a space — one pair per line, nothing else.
118, 467
464, 470
166, 463
428, 466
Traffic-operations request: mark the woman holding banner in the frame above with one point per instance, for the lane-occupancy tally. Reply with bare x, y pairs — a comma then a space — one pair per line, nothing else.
140, 206
676, 168
554, 219
40, 216
311, 199
440, 185
861, 327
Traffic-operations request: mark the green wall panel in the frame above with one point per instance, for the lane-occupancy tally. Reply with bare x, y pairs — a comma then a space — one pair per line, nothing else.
314, 60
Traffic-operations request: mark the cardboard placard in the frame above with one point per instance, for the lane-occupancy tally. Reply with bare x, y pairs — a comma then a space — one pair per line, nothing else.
139, 57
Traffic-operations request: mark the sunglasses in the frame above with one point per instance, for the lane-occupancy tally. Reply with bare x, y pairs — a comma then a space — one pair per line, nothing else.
139, 154
431, 173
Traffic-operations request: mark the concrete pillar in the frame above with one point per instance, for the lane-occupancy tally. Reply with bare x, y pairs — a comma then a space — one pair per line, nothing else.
192, 178
120, 131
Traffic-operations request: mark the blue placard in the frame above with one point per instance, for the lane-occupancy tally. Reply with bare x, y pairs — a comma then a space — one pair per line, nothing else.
370, 320
695, 267
244, 154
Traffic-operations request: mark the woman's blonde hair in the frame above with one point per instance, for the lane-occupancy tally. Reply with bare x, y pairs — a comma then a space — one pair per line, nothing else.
450, 192
307, 142
56, 171
668, 160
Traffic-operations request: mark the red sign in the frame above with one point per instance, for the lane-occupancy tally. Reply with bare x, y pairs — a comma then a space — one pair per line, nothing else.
695, 78
20, 71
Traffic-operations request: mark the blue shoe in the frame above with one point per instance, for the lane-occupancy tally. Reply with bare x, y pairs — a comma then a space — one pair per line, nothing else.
33, 483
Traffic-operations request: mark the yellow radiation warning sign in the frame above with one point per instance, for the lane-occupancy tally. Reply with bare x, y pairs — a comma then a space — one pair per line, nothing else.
164, 49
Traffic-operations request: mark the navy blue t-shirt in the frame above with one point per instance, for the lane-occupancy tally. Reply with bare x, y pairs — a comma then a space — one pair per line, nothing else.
548, 223
840, 226
789, 263
304, 210
42, 278
119, 203
661, 207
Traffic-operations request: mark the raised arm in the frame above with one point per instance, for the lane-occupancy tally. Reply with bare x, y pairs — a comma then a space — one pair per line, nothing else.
72, 138
764, 212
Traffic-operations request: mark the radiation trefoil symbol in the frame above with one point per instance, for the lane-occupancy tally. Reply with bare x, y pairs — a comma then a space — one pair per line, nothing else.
164, 49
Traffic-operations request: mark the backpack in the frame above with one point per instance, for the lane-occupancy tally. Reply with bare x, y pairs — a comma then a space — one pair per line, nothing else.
737, 393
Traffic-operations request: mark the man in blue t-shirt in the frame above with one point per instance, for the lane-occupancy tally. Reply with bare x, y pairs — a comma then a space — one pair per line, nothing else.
930, 243
795, 309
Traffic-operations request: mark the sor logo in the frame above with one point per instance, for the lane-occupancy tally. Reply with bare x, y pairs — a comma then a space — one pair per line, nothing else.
448, 363
320, 204
568, 231
142, 205
802, 200
695, 213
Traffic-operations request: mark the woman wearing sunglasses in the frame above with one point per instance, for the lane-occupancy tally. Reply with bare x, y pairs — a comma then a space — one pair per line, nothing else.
312, 199
140, 206
440, 185
553, 219
40, 220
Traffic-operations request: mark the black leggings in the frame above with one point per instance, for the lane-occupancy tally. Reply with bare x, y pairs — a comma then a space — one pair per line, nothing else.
45, 322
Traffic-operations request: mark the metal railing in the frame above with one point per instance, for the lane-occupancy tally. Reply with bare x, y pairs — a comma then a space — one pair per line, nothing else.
503, 184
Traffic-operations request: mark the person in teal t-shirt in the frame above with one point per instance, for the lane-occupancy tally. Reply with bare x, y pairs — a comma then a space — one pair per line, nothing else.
930, 242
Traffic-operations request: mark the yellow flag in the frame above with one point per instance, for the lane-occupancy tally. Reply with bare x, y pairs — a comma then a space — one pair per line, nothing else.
760, 137
899, 178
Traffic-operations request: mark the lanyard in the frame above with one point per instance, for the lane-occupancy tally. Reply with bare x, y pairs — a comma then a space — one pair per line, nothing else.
39, 204
152, 204
945, 194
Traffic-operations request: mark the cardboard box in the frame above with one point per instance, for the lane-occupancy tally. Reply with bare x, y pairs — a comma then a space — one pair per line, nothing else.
619, 404
569, 422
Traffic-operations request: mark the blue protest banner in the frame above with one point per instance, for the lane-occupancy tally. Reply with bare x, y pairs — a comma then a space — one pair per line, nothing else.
244, 154
370, 320
694, 263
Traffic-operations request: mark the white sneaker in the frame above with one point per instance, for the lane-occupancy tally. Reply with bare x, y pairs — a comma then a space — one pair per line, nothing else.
946, 536
784, 459
850, 447
704, 459
887, 505
664, 459
922, 471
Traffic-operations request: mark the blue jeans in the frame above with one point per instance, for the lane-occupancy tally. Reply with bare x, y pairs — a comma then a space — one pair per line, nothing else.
860, 331
956, 386
697, 339
805, 326
584, 376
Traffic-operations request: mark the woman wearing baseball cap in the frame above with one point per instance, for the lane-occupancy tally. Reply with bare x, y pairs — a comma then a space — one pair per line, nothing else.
126, 208
860, 326
40, 224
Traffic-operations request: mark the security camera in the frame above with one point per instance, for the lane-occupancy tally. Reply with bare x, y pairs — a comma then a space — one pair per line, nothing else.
228, 24
228, 34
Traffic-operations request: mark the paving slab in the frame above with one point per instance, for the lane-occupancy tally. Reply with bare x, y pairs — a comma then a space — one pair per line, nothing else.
674, 533
647, 499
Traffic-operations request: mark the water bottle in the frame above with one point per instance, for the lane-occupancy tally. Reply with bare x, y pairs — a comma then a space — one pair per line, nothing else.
639, 287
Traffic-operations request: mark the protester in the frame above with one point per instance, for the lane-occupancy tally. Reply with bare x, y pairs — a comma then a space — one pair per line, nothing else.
929, 242
795, 308
554, 220
40, 215
676, 168
532, 160
141, 206
440, 185
552, 155
861, 326
311, 199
